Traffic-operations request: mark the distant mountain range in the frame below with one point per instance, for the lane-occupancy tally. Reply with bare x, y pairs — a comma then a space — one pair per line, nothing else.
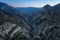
29, 23
29, 10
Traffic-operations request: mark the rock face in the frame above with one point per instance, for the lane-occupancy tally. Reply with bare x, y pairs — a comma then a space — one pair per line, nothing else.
12, 21
45, 25
29, 12
47, 22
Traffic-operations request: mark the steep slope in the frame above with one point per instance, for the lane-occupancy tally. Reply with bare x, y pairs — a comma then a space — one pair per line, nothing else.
11, 21
29, 12
14, 25
45, 22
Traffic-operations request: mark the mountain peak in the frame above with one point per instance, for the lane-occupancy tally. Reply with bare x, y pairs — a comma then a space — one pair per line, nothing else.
1, 3
47, 6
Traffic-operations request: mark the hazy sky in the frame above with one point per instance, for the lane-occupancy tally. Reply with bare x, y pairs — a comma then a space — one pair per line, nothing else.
30, 3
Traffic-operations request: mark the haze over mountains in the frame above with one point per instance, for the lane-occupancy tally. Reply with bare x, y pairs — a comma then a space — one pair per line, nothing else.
29, 23
29, 10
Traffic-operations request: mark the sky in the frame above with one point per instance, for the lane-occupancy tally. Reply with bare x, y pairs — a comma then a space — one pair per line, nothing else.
30, 3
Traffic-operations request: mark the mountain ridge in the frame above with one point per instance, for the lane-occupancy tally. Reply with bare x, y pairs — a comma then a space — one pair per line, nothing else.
44, 25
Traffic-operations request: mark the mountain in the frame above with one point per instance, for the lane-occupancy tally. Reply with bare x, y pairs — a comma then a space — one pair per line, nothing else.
29, 23
47, 23
29, 10
12, 21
